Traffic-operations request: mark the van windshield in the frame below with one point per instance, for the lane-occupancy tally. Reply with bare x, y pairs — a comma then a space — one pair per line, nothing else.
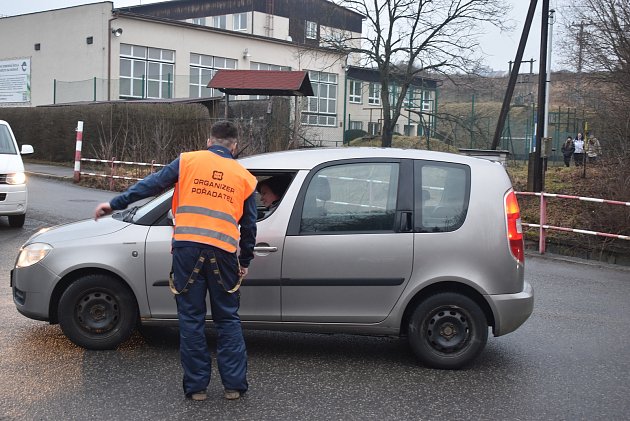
7, 147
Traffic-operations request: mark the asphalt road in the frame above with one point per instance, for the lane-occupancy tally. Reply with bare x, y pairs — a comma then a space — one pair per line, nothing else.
569, 361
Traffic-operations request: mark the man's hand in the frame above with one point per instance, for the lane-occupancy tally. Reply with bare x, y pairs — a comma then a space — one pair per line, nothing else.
102, 210
242, 272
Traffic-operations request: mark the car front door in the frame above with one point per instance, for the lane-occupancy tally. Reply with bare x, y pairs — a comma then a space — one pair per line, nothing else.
349, 248
260, 291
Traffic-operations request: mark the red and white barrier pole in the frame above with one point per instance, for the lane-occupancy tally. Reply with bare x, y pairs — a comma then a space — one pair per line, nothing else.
543, 222
77, 153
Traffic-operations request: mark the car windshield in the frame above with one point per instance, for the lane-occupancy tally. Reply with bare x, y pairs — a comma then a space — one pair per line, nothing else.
143, 207
7, 147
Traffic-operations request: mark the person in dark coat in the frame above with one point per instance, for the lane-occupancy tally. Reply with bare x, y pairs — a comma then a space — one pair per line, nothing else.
567, 151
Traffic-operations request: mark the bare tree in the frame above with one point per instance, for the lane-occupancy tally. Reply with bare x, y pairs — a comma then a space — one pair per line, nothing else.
406, 38
598, 35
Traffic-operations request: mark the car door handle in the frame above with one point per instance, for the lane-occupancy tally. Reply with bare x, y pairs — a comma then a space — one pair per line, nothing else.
265, 249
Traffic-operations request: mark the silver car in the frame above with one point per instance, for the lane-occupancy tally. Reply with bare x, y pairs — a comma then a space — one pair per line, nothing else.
367, 241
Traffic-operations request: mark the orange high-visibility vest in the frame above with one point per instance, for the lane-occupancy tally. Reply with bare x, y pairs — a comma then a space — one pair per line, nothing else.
208, 199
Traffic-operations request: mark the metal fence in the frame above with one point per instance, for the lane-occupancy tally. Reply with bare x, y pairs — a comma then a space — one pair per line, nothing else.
543, 226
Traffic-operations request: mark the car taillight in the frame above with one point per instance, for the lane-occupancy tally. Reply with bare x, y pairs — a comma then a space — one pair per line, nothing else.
514, 227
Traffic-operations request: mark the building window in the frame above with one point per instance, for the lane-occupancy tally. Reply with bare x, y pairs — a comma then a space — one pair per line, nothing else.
356, 91
202, 69
264, 66
426, 102
311, 30
219, 22
321, 108
198, 21
356, 125
146, 72
374, 94
374, 128
408, 130
240, 22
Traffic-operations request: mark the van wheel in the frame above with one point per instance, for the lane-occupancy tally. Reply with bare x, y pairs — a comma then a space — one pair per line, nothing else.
97, 312
447, 330
17, 221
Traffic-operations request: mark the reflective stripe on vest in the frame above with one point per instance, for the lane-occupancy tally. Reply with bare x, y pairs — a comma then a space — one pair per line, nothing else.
208, 199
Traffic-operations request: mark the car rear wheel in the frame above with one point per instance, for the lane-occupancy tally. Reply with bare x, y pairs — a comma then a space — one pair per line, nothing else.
17, 221
98, 312
447, 330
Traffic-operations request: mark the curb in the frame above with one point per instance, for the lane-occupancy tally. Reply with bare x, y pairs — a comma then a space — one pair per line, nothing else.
51, 176
576, 260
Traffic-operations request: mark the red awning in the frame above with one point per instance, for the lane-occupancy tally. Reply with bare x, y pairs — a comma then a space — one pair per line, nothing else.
262, 82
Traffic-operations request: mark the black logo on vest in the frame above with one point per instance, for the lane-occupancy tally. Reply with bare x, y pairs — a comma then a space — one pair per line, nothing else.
217, 175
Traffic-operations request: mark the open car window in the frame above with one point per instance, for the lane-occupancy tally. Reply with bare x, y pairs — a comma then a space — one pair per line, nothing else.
278, 184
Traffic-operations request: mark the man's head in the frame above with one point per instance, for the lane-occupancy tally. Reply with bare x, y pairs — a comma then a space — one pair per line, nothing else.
224, 133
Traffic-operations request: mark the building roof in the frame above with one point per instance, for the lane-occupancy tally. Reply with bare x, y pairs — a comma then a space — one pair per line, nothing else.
262, 82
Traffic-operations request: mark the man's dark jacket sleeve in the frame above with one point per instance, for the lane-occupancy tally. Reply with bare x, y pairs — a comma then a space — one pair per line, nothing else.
248, 231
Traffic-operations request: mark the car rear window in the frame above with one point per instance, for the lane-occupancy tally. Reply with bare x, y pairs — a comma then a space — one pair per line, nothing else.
442, 192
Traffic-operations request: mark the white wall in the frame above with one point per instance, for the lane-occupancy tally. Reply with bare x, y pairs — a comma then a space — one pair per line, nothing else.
64, 54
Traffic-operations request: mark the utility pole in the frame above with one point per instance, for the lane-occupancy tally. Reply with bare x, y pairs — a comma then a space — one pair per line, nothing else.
538, 182
505, 108
548, 81
547, 146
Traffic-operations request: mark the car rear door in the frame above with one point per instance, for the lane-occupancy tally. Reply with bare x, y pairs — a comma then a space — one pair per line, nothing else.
349, 247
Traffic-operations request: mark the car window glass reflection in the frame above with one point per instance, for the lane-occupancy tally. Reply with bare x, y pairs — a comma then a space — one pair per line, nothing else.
352, 198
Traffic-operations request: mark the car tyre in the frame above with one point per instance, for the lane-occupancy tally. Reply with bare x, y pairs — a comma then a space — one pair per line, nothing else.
447, 330
98, 312
17, 221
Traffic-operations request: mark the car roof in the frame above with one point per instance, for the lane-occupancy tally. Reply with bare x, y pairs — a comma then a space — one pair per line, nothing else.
306, 159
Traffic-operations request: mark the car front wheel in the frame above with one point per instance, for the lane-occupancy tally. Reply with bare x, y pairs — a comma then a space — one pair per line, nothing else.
447, 330
97, 312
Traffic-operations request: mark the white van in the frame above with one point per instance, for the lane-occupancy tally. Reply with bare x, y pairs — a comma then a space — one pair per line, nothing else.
13, 194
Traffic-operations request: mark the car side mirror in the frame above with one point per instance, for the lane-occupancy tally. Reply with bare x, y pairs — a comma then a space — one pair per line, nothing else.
26, 150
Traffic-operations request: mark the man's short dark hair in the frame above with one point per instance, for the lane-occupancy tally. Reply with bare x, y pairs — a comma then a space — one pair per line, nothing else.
224, 130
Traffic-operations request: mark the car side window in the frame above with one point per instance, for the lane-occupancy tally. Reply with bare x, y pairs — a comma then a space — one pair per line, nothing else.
357, 197
441, 196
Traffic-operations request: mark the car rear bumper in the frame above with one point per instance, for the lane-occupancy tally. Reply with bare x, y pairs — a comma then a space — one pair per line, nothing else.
511, 310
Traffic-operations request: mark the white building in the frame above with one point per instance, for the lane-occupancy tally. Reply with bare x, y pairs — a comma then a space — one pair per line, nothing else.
172, 49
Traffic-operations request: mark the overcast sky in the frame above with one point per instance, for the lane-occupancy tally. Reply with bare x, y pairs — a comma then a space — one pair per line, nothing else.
500, 48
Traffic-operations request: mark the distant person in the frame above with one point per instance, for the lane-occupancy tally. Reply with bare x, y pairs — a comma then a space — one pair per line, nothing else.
593, 149
271, 191
567, 151
578, 153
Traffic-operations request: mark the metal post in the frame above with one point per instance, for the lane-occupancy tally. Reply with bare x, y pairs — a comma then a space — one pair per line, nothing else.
77, 152
543, 221
345, 100
548, 80
472, 121
113, 171
538, 165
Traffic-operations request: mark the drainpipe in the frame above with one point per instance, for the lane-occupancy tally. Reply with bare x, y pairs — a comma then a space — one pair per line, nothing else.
345, 100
